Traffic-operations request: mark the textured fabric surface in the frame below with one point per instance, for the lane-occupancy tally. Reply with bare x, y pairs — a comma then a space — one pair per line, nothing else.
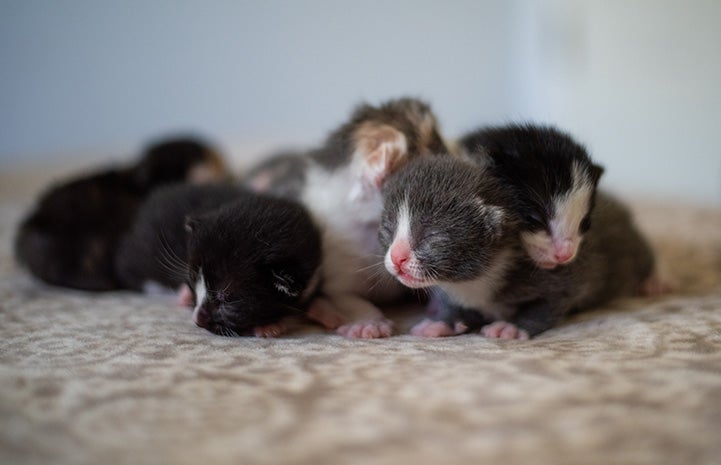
124, 378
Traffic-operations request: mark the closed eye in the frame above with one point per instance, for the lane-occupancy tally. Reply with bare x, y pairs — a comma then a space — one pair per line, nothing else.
535, 220
585, 224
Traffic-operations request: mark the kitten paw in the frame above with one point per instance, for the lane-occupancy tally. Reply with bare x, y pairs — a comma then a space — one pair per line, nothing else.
368, 329
430, 328
503, 330
271, 330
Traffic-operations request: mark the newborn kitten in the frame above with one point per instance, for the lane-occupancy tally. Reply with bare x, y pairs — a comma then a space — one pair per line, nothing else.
554, 183
70, 237
340, 185
451, 224
248, 260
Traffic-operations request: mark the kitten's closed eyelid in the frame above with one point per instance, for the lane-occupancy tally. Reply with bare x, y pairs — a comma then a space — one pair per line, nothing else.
585, 224
535, 219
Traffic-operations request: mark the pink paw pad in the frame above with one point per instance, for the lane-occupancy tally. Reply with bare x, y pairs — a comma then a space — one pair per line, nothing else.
503, 330
185, 296
430, 328
271, 330
371, 329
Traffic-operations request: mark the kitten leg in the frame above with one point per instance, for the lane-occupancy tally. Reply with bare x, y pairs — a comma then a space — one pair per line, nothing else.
364, 320
323, 311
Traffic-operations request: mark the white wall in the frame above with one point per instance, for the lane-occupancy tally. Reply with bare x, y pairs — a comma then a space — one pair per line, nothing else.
637, 81
83, 75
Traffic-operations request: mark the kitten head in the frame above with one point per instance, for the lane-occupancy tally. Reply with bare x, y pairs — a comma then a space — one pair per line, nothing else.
442, 222
251, 263
174, 160
383, 138
554, 183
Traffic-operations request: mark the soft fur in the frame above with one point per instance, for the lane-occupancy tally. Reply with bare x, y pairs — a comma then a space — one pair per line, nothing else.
254, 257
70, 237
465, 238
553, 181
340, 184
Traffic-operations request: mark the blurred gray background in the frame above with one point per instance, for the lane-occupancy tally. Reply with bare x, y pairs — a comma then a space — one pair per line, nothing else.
639, 82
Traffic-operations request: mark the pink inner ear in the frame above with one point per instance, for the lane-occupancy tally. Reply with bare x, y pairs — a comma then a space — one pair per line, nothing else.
383, 148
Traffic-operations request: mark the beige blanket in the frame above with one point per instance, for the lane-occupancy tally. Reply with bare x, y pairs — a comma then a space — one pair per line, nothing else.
122, 378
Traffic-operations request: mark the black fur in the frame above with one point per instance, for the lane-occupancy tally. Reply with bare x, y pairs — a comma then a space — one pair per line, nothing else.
445, 227
70, 237
246, 245
453, 249
536, 162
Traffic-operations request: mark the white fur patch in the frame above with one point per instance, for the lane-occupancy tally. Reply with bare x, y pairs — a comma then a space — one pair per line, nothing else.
349, 226
493, 217
480, 293
282, 286
200, 292
412, 267
570, 209
402, 234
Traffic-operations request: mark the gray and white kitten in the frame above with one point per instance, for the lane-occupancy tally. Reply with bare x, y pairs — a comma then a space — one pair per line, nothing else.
449, 224
340, 183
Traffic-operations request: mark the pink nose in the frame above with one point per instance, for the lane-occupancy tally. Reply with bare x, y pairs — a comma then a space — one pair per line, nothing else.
400, 253
564, 251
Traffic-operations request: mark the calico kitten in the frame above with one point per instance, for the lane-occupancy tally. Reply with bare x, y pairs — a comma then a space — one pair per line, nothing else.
340, 184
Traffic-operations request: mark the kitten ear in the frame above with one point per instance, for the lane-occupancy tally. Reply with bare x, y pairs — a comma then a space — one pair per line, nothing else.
494, 218
596, 172
380, 149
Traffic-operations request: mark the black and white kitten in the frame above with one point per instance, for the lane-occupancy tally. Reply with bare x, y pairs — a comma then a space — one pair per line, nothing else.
553, 181
248, 260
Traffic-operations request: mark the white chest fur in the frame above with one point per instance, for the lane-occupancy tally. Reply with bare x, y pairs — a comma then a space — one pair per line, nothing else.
348, 213
479, 294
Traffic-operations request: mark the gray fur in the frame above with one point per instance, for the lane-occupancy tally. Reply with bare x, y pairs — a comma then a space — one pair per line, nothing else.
284, 171
612, 262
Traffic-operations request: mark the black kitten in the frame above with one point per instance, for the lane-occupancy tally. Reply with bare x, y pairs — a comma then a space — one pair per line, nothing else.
248, 260
70, 237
